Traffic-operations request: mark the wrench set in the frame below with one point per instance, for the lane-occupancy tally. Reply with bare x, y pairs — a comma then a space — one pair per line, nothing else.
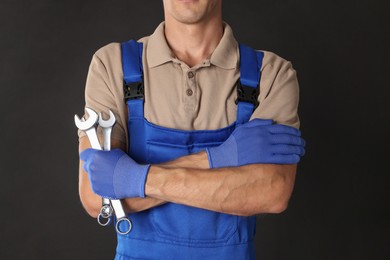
108, 206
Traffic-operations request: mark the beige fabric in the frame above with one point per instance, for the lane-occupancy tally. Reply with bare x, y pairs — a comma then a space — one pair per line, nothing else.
201, 97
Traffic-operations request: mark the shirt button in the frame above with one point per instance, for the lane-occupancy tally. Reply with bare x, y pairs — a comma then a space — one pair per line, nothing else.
191, 74
189, 92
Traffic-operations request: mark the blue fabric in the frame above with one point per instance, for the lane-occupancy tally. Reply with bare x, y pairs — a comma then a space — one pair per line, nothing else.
113, 174
132, 73
173, 231
132, 61
250, 65
163, 251
250, 73
136, 129
244, 112
258, 141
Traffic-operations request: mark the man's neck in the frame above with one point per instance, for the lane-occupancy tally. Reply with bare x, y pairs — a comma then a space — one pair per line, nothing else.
193, 43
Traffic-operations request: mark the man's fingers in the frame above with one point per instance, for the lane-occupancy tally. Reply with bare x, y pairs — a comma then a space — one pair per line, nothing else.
285, 159
287, 139
283, 149
284, 129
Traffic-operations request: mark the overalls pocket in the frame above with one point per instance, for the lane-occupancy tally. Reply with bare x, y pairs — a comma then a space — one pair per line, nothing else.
192, 226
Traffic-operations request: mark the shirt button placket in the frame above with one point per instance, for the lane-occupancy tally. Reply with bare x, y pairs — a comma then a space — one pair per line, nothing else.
191, 77
189, 93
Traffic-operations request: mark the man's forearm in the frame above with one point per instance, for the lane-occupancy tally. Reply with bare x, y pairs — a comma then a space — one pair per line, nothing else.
195, 161
92, 202
245, 190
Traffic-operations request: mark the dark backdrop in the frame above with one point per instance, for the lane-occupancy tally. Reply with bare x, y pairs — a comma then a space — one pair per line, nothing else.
340, 206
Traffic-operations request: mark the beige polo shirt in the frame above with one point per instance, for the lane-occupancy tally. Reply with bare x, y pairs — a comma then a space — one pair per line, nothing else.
190, 98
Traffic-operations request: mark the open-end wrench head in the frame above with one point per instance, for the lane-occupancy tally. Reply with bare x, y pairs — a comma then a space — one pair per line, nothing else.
107, 123
90, 122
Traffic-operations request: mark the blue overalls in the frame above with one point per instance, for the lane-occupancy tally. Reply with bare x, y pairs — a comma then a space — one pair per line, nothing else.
173, 231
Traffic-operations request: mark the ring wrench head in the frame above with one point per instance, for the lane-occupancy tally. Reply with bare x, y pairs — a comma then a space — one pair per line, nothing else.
89, 123
103, 221
123, 221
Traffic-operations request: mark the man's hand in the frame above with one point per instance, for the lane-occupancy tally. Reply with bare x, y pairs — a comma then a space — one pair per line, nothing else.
113, 174
258, 141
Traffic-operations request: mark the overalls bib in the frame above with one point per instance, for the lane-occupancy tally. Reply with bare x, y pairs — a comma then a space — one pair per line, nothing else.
173, 231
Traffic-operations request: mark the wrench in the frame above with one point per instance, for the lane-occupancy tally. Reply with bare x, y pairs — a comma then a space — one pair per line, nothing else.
88, 126
106, 125
121, 216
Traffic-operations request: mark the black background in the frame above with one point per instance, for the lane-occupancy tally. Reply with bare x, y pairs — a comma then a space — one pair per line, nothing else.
340, 207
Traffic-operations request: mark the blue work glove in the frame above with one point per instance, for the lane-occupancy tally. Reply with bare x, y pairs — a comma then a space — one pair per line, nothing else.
258, 141
113, 174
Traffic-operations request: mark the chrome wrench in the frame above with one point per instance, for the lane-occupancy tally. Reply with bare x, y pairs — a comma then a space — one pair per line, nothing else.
106, 125
121, 216
88, 126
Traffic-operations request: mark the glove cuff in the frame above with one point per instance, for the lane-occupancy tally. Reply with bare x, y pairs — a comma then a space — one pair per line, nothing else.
145, 171
224, 155
208, 151
129, 178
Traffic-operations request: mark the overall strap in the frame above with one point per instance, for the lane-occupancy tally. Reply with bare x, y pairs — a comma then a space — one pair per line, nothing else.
248, 88
134, 95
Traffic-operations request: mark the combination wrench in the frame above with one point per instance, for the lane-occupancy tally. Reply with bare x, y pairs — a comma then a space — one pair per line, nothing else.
89, 127
106, 126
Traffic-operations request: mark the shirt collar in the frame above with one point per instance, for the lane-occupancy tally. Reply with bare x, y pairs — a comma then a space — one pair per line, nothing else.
224, 56
158, 51
226, 53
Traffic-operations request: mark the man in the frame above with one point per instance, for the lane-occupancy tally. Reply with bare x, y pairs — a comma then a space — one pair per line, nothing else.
198, 171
